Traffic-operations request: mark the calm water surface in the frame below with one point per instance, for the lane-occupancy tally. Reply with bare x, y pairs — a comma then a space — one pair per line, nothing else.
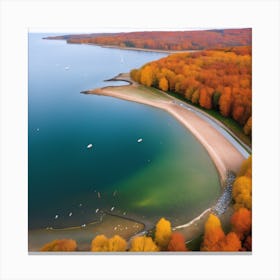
168, 174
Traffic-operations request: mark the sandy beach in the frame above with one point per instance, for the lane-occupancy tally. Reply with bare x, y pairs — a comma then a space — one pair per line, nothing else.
223, 153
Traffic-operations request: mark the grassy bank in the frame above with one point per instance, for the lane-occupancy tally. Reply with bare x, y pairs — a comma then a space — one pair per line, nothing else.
231, 124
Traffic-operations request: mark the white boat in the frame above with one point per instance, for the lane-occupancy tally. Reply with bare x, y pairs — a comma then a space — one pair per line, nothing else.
96, 210
112, 208
139, 140
67, 68
56, 216
70, 214
89, 146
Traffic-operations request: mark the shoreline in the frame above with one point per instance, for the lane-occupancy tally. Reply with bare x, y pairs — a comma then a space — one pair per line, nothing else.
130, 48
109, 225
224, 155
209, 138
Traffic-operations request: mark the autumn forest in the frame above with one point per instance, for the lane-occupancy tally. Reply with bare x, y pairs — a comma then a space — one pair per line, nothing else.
212, 71
168, 40
213, 79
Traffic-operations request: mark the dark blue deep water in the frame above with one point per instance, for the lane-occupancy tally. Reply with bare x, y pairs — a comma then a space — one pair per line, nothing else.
168, 174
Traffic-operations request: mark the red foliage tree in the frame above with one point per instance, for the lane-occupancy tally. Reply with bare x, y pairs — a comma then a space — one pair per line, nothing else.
230, 243
177, 242
241, 222
218, 79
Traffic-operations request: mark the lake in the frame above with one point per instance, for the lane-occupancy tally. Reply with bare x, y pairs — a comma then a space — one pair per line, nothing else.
169, 174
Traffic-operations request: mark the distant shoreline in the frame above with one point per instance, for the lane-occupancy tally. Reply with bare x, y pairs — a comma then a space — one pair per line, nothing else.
137, 49
124, 48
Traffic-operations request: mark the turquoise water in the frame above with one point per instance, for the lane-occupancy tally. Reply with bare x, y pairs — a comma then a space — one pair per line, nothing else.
168, 174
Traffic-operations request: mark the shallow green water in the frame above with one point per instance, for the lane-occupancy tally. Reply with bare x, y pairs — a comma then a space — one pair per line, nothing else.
168, 174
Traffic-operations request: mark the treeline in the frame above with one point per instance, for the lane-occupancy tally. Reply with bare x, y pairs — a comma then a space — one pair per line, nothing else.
78, 36
170, 40
214, 79
163, 239
240, 236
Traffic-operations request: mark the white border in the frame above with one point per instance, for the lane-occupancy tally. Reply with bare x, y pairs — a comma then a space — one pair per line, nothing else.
75, 16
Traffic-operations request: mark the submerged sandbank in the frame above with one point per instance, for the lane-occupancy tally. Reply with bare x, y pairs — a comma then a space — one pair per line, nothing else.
110, 225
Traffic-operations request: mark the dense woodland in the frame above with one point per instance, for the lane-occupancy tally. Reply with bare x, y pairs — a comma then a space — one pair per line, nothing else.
169, 40
214, 79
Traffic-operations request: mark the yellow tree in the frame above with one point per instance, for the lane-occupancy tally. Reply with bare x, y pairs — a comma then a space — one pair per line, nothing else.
146, 77
163, 84
143, 244
242, 192
117, 244
246, 167
135, 75
163, 233
213, 234
100, 244
225, 102
60, 245
195, 97
248, 127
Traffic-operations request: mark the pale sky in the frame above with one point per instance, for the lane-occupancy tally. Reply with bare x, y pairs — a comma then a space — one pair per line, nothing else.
113, 30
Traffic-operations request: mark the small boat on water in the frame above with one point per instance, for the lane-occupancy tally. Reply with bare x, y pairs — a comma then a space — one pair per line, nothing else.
67, 68
89, 146
56, 217
112, 209
96, 210
139, 140
70, 214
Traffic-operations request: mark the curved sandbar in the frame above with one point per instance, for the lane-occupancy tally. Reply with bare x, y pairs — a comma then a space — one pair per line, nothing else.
223, 153
109, 225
